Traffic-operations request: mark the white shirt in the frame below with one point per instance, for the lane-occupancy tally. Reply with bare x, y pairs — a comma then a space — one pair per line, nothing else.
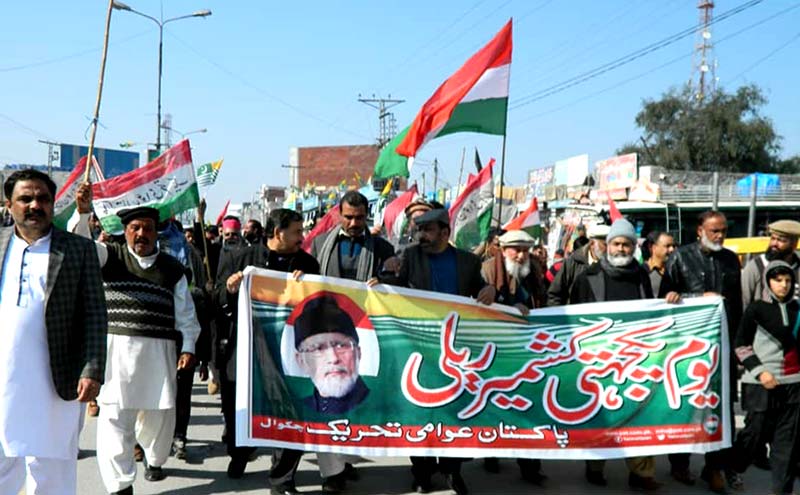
34, 419
140, 371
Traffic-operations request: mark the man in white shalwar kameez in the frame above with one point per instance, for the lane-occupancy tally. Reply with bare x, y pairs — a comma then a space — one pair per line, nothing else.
52, 341
150, 308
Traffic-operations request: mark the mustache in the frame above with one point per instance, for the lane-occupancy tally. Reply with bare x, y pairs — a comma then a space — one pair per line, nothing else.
34, 213
141, 240
336, 369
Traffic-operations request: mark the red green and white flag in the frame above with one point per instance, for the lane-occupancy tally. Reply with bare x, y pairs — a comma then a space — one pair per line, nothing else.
473, 99
394, 216
64, 205
330, 221
471, 214
167, 183
529, 221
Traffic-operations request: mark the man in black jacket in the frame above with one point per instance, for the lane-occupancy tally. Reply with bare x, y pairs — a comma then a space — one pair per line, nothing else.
434, 265
618, 277
559, 290
706, 268
282, 253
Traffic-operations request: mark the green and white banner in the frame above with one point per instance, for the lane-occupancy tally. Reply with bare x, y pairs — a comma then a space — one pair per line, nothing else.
329, 365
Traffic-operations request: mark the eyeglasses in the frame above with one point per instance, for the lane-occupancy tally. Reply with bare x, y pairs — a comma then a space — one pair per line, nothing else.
340, 347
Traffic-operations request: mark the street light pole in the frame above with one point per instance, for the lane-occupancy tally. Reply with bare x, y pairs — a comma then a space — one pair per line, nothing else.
160, 23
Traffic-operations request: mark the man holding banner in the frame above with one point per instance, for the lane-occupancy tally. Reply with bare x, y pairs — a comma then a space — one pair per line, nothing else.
618, 277
435, 265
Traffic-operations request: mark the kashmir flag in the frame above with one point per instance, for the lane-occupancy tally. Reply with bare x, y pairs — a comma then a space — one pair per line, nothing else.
324, 225
528, 221
471, 214
167, 183
207, 173
473, 99
64, 205
394, 217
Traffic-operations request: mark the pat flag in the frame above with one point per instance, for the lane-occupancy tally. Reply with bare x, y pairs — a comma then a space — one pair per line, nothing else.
327, 223
473, 99
167, 183
207, 173
394, 217
471, 213
528, 220
65, 197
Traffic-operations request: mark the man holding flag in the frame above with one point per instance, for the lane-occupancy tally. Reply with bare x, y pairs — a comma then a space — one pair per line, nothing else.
150, 309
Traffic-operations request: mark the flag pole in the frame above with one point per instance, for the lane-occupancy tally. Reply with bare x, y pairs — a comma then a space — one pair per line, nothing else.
461, 170
96, 116
503, 159
202, 224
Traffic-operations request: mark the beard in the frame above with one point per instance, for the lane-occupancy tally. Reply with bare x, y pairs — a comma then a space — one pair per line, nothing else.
619, 260
336, 385
709, 244
517, 270
773, 254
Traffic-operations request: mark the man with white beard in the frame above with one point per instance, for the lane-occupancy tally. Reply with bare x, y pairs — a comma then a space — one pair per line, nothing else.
705, 268
619, 277
517, 282
326, 348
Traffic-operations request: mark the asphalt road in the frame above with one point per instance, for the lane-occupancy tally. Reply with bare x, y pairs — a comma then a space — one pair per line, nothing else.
204, 472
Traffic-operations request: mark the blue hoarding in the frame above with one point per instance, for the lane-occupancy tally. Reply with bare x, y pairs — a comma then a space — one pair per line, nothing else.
112, 162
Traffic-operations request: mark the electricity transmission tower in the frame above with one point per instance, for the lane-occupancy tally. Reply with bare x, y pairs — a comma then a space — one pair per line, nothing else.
387, 124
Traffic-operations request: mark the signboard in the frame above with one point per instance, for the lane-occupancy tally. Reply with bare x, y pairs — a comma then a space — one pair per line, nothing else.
538, 179
618, 172
112, 162
572, 171
329, 365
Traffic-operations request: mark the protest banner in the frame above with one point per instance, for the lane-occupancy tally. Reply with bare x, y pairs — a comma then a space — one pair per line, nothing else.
329, 365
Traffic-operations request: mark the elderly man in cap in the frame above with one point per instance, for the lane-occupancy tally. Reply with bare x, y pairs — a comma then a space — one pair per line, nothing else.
517, 282
326, 348
783, 236
618, 277
150, 310
561, 286
434, 265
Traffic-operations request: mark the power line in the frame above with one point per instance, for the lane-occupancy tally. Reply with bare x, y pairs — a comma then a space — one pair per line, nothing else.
619, 62
671, 62
264, 92
25, 127
767, 56
70, 56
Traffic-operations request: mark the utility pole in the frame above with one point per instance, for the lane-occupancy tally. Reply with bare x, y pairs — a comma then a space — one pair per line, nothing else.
435, 175
387, 124
704, 65
52, 155
423, 184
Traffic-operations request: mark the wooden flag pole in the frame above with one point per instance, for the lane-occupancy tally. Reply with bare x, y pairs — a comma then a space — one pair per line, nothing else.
96, 116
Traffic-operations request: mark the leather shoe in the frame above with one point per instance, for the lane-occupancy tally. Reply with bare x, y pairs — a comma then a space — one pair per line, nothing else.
153, 473
596, 478
283, 490
236, 468
646, 483
683, 476
124, 491
715, 480
457, 484
335, 484
421, 485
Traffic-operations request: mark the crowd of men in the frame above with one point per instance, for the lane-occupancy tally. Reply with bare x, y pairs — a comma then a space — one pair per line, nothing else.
125, 324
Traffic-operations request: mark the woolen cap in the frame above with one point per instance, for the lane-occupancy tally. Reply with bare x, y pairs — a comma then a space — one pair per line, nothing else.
622, 228
438, 215
597, 231
516, 238
322, 315
785, 227
129, 214
416, 205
